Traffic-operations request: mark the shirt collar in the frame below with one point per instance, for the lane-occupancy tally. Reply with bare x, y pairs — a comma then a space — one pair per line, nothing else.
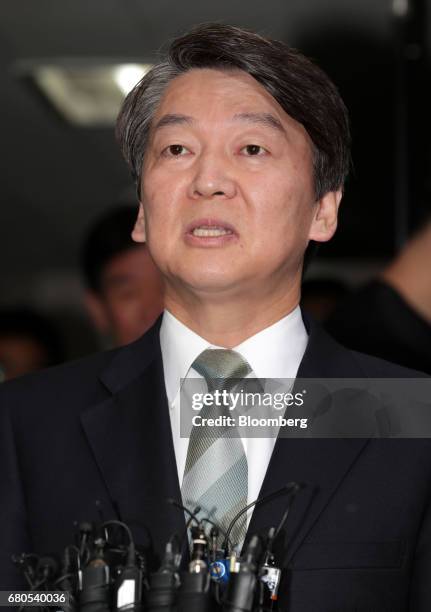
274, 352
180, 346
277, 351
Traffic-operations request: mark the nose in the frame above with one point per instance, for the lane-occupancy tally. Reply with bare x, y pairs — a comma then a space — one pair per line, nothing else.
213, 177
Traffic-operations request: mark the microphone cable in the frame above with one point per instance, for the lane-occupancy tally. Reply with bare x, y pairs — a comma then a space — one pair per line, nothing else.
257, 502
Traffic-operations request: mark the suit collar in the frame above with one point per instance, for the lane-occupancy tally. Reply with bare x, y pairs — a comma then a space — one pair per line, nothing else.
324, 357
130, 361
130, 437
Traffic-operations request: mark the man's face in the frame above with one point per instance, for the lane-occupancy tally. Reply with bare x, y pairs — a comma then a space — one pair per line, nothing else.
227, 187
130, 297
20, 354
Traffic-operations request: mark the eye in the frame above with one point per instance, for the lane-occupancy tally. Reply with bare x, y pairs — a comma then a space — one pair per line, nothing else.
253, 150
175, 150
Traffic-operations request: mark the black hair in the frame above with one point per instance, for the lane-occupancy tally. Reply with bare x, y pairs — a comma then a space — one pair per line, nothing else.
24, 322
109, 236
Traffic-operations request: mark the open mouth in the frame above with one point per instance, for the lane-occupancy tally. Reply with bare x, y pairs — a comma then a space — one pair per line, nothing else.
210, 228
204, 231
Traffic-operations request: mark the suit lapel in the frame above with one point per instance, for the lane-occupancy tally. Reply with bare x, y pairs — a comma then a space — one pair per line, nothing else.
319, 464
130, 436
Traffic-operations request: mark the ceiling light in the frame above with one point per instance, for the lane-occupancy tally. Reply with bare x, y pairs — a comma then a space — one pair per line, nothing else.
86, 94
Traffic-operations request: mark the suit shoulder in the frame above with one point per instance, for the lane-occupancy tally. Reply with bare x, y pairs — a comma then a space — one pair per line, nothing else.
325, 357
70, 388
65, 384
374, 367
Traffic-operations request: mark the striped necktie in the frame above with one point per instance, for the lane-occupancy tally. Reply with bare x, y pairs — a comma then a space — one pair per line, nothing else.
216, 471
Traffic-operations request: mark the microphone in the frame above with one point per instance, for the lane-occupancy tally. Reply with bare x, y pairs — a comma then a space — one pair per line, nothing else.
26, 563
197, 564
85, 532
86, 567
214, 533
192, 515
269, 574
294, 488
242, 584
194, 592
43, 572
128, 586
47, 568
161, 594
128, 589
94, 595
68, 579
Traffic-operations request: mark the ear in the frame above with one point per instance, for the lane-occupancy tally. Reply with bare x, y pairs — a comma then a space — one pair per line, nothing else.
324, 221
138, 233
96, 311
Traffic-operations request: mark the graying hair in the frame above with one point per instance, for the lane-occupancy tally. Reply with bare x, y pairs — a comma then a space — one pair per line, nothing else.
302, 89
134, 121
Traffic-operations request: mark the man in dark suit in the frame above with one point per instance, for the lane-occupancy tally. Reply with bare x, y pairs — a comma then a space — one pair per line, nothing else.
239, 146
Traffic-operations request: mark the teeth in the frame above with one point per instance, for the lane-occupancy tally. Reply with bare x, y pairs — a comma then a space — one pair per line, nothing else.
214, 231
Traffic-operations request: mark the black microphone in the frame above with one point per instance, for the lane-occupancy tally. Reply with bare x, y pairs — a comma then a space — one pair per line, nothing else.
242, 584
27, 563
192, 517
194, 591
128, 589
45, 571
128, 586
269, 574
294, 487
86, 530
194, 594
161, 595
69, 576
95, 596
47, 568
214, 533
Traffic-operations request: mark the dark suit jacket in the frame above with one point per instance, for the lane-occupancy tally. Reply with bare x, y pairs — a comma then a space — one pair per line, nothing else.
358, 537
376, 319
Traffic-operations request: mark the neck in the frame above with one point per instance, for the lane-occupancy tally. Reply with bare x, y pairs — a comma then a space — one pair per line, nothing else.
228, 321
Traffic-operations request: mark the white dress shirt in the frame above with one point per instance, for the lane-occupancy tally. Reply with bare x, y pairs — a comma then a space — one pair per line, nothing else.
274, 352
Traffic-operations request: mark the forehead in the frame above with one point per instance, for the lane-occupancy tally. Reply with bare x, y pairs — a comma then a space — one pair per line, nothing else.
208, 95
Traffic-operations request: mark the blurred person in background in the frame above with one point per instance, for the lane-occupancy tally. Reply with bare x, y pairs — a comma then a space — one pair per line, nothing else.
390, 317
28, 342
320, 296
124, 294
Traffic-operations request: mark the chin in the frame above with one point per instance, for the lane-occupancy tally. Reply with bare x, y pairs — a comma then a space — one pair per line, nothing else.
211, 282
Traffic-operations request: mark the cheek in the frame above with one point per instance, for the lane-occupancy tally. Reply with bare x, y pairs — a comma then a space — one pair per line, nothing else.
119, 309
280, 207
282, 220
160, 200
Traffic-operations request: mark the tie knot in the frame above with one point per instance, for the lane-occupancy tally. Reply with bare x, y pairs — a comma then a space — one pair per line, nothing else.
218, 366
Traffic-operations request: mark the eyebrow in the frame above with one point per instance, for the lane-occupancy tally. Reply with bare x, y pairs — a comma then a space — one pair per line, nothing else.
173, 119
265, 119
